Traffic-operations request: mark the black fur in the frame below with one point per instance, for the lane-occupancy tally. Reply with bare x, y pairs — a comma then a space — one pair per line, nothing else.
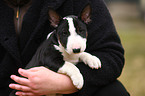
62, 32
47, 55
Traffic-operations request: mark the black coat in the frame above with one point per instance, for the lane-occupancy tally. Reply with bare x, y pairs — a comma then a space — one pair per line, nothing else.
103, 41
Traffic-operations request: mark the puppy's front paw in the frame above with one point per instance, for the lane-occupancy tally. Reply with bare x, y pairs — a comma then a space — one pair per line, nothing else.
78, 80
73, 72
91, 61
94, 62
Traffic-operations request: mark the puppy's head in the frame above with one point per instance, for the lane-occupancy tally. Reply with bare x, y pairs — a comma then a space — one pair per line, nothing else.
71, 30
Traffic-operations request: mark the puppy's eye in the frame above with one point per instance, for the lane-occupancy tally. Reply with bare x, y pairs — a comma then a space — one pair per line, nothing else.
81, 30
64, 32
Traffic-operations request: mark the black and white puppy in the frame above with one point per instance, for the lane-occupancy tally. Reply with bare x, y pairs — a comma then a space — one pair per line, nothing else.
65, 46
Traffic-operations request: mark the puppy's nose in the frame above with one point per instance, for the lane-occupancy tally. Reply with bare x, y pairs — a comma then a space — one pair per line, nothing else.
76, 50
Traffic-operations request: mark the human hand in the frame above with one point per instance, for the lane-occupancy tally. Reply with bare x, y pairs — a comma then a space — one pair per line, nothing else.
41, 81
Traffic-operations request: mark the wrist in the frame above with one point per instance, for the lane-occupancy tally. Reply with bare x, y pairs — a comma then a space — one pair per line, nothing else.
65, 85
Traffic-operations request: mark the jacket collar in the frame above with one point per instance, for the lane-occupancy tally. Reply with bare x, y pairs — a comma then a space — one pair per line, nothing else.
16, 3
7, 36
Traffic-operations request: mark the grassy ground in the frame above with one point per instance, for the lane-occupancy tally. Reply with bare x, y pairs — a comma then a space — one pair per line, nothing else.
132, 33
133, 74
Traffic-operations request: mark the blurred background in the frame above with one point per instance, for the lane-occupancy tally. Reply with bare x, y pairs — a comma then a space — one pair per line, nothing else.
129, 19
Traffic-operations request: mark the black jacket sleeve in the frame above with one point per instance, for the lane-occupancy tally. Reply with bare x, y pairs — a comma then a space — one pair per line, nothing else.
103, 42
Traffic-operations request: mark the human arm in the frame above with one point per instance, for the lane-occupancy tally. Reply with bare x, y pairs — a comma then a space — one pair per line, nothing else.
34, 85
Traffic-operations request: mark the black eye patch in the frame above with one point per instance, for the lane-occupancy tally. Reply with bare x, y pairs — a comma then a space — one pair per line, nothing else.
63, 32
80, 28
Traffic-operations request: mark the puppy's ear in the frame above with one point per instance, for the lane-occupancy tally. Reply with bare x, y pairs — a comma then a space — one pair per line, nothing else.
86, 14
53, 17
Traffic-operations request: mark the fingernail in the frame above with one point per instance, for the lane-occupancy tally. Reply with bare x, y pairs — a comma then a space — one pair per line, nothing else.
11, 76
20, 70
17, 93
10, 85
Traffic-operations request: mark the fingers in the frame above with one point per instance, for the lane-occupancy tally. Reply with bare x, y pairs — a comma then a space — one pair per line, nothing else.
25, 94
28, 72
20, 87
24, 72
20, 80
35, 69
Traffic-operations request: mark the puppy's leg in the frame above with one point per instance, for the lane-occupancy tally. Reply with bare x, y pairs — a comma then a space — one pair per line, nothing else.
90, 60
74, 73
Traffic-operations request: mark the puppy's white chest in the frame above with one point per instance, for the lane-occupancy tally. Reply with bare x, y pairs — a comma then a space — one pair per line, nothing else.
73, 58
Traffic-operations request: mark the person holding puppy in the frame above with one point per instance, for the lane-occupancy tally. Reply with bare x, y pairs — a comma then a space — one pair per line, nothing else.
24, 26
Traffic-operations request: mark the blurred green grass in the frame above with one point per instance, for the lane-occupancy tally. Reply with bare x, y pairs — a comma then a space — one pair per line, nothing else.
131, 30
133, 73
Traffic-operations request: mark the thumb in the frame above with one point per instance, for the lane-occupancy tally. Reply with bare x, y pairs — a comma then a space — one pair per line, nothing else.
35, 69
28, 72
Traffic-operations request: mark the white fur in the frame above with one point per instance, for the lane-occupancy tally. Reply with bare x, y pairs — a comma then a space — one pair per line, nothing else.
71, 70
75, 41
72, 28
90, 60
73, 58
49, 35
74, 73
